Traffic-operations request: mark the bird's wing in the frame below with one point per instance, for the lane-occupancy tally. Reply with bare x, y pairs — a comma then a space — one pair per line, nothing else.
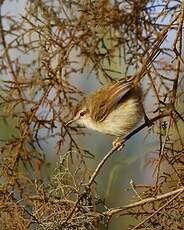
112, 95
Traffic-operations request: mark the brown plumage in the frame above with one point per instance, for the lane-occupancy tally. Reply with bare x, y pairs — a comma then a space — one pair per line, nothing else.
113, 109
116, 108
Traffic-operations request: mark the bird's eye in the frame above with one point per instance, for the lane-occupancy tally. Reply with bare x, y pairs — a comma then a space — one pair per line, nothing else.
82, 113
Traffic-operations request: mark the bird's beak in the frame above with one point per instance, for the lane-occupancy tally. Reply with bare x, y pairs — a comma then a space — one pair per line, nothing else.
69, 122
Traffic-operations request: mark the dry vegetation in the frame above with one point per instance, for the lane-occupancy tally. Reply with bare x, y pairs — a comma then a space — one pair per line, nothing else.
52, 43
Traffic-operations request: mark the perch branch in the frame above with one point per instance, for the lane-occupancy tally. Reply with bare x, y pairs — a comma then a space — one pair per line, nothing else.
107, 156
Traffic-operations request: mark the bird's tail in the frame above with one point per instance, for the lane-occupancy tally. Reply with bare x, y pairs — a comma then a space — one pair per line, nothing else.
152, 54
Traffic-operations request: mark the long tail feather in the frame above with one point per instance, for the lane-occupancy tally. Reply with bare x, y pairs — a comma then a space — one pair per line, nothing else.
153, 53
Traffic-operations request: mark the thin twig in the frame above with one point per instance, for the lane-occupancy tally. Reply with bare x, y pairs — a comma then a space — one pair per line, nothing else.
115, 211
179, 191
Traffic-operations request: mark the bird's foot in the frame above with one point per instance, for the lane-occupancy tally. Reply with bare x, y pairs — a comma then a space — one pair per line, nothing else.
148, 122
118, 144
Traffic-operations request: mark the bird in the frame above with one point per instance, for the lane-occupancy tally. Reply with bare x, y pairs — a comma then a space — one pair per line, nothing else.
117, 107
114, 109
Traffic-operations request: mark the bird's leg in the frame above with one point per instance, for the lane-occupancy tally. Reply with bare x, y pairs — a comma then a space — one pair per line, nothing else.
146, 119
148, 122
118, 143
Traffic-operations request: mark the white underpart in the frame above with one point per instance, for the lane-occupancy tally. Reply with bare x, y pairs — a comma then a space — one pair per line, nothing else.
120, 121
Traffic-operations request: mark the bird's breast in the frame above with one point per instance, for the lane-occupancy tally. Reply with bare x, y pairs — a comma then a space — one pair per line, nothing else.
120, 121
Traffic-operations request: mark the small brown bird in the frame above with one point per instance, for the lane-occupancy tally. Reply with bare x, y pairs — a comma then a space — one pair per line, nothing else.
117, 108
113, 109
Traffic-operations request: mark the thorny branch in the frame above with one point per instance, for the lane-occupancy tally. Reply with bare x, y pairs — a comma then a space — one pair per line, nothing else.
157, 211
120, 210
